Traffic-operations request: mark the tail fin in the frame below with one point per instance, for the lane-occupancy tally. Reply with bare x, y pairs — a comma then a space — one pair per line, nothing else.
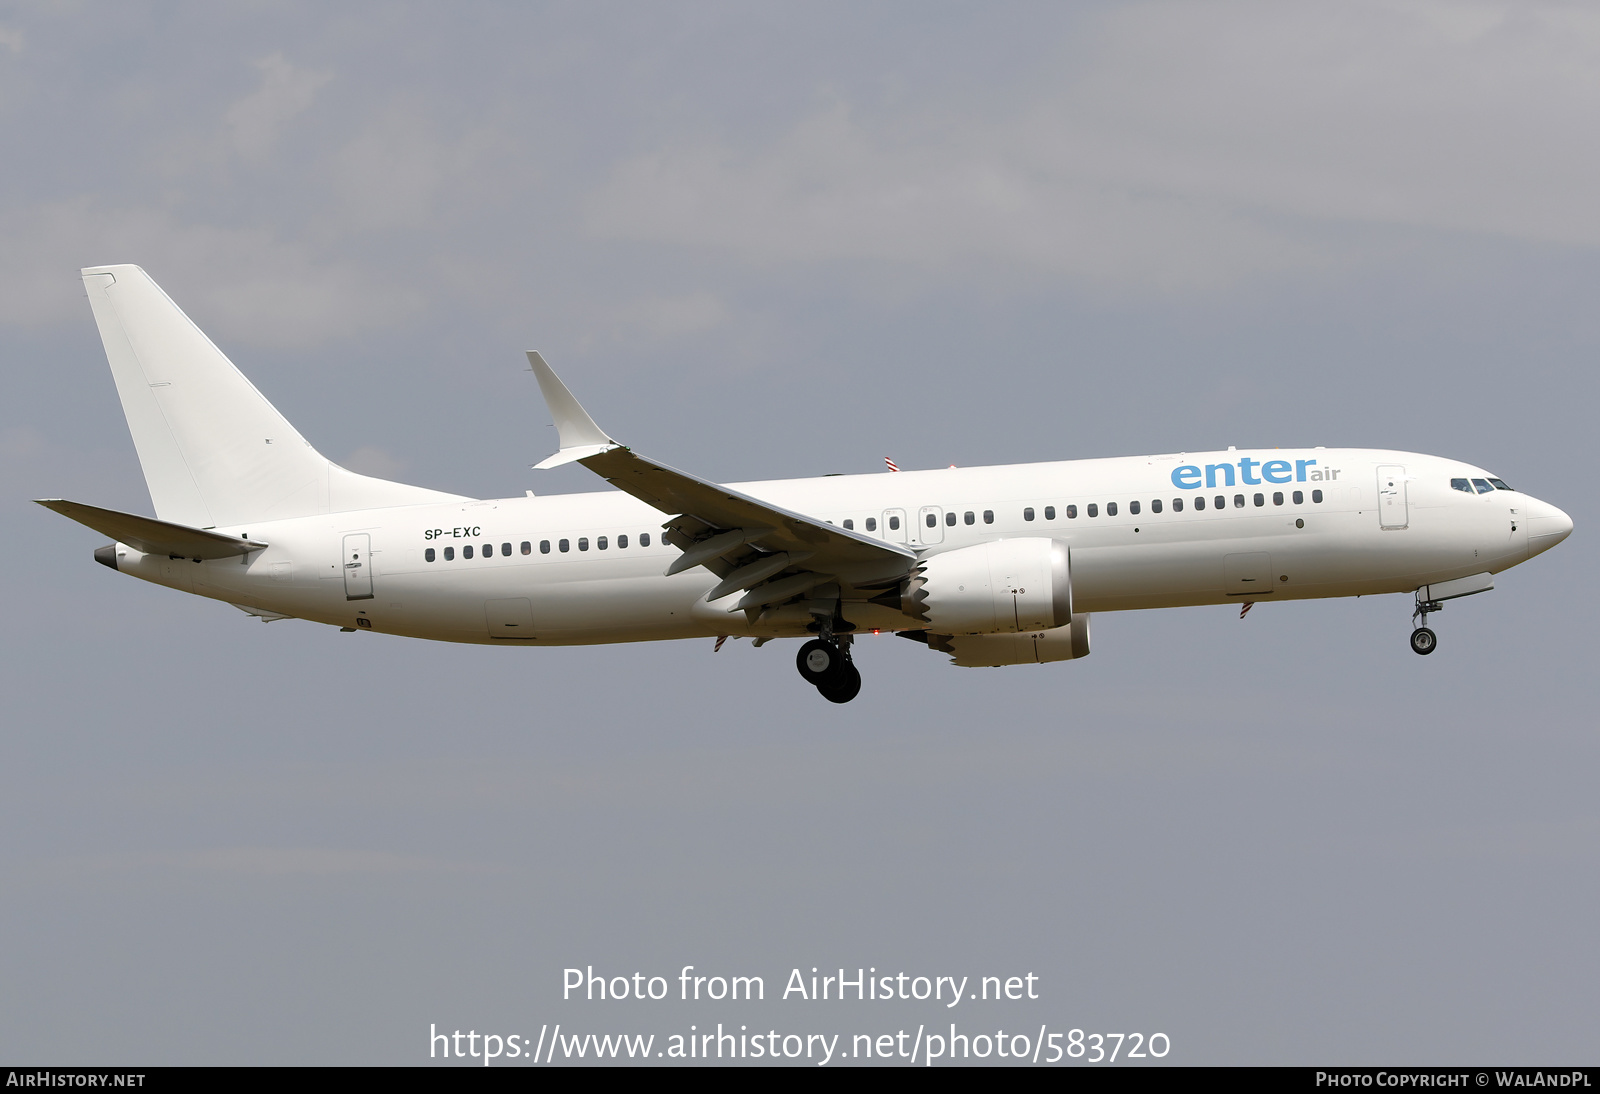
215, 453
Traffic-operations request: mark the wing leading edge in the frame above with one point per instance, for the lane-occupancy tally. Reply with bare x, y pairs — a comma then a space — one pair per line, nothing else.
768, 553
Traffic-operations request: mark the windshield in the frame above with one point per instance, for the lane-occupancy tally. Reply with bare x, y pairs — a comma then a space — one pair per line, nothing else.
1500, 484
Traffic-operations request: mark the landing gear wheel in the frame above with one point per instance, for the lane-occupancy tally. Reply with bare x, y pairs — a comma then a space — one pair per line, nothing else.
827, 666
844, 686
818, 661
1424, 641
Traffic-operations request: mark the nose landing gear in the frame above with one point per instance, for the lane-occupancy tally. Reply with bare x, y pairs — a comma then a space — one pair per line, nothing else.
825, 663
1423, 640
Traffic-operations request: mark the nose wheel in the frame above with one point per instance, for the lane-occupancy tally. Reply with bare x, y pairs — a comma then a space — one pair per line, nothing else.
1423, 640
826, 665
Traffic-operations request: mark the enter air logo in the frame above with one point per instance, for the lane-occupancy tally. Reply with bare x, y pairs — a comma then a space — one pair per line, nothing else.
1250, 473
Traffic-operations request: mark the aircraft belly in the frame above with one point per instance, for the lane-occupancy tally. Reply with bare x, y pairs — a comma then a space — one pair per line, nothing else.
617, 609
1341, 556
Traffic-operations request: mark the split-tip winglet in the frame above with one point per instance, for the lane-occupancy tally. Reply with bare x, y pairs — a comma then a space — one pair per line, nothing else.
580, 436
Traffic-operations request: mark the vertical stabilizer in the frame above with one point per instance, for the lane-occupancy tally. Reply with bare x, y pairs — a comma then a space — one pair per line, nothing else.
215, 453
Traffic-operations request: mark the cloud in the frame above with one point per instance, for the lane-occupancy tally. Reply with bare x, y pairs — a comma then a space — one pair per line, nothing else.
256, 120
369, 460
390, 172
242, 284
662, 317
269, 861
1178, 147
21, 442
11, 39
839, 187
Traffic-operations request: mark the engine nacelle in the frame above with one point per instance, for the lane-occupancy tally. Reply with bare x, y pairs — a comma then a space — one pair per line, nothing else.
1028, 648
1007, 586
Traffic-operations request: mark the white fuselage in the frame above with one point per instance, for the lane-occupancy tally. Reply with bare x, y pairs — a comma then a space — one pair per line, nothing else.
1126, 555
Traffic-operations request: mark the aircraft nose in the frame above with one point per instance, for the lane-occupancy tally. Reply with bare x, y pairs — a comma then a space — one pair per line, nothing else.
1547, 526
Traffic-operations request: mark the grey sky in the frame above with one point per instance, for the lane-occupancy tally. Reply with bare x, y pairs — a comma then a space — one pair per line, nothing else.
784, 240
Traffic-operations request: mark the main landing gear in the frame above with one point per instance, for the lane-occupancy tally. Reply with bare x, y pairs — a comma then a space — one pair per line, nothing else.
825, 663
1423, 640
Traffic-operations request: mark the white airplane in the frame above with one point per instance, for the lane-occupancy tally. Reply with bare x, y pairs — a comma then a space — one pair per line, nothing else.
992, 565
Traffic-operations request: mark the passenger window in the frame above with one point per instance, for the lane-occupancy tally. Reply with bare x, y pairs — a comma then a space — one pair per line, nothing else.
1094, 509
450, 553
466, 552
622, 543
602, 543
527, 548
1298, 497
1260, 500
583, 543
544, 546
988, 516
894, 524
505, 549
1462, 485
1177, 505
1155, 505
1238, 501
644, 539
1316, 496
1277, 497
1049, 512
933, 521
565, 545
1027, 514
970, 517
1199, 503
1219, 502
849, 525
950, 518
428, 554
872, 524
1111, 509
1072, 512
1483, 486
1133, 507
488, 550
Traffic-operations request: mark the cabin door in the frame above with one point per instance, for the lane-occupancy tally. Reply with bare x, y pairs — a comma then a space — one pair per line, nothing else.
358, 567
1392, 497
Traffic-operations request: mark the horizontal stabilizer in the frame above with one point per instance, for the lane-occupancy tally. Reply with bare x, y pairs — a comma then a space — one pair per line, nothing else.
153, 537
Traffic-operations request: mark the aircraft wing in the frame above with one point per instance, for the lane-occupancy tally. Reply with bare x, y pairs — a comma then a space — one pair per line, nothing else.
153, 537
770, 552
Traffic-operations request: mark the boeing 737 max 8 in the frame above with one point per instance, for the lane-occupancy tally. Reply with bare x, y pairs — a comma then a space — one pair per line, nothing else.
991, 565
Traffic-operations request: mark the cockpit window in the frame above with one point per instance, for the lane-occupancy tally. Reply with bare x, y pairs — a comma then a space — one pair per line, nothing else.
1462, 485
1500, 484
1483, 486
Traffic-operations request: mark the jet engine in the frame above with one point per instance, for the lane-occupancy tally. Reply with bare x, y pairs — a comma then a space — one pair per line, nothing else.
1006, 586
1027, 648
